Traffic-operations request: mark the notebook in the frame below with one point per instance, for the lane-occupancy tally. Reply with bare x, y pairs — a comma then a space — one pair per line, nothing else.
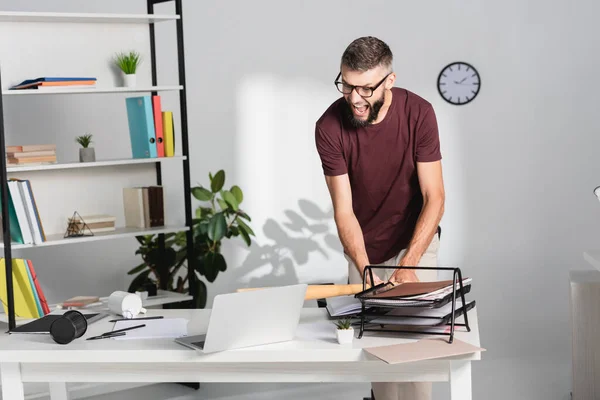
425, 349
42, 325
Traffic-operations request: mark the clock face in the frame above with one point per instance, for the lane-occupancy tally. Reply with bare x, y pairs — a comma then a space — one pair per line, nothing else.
459, 83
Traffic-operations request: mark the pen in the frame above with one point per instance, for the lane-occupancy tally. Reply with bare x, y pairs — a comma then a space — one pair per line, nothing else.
132, 319
125, 329
107, 336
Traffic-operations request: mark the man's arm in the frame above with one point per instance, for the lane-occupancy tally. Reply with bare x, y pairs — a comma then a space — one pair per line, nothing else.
432, 188
349, 229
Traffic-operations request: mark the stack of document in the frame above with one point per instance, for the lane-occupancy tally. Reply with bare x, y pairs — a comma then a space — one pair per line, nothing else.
414, 294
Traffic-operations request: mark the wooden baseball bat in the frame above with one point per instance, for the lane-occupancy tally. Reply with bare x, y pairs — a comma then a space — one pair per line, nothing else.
314, 292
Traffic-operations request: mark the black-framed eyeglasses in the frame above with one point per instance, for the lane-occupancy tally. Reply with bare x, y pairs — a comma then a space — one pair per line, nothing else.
362, 91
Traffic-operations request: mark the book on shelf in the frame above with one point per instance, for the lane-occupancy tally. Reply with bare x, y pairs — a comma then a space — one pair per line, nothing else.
25, 222
95, 223
55, 82
31, 154
151, 130
29, 298
144, 206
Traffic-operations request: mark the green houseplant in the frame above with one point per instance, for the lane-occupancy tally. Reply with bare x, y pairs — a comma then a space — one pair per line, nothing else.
86, 153
217, 217
128, 64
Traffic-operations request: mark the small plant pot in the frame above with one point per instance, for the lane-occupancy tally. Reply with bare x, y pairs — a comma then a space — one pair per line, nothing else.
87, 154
129, 80
345, 336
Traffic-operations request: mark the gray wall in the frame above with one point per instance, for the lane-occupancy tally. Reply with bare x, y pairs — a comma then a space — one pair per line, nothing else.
519, 162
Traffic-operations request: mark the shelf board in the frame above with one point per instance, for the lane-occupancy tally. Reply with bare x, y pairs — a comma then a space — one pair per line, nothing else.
162, 297
99, 89
59, 239
18, 16
95, 164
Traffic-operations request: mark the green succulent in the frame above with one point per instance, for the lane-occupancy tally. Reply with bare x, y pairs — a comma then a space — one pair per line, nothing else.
345, 323
84, 140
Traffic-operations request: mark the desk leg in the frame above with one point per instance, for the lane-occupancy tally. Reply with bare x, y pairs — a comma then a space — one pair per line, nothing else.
58, 391
12, 385
460, 380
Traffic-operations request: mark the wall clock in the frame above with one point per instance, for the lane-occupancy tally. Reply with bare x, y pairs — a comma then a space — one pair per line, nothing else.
459, 83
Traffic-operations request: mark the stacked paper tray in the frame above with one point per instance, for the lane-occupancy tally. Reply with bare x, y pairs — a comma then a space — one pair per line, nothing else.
418, 307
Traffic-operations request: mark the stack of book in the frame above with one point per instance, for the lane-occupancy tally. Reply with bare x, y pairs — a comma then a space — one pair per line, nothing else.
34, 154
25, 222
29, 299
56, 83
94, 223
144, 207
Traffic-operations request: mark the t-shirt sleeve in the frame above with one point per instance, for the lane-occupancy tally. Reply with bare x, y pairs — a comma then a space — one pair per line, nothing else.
427, 138
331, 153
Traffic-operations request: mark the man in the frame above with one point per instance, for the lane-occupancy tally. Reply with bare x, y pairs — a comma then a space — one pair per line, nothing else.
380, 153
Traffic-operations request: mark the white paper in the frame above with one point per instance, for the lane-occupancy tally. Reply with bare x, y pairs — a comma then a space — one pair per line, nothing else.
155, 328
343, 305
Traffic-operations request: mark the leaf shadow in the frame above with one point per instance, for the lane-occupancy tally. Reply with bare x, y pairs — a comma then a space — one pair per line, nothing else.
289, 244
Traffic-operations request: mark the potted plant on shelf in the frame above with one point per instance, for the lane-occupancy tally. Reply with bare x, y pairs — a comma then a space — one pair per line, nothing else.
345, 331
217, 217
86, 153
128, 64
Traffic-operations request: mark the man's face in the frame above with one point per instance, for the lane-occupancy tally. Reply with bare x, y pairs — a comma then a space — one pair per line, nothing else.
362, 111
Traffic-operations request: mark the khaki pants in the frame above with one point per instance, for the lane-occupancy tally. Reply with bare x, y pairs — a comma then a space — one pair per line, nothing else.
403, 390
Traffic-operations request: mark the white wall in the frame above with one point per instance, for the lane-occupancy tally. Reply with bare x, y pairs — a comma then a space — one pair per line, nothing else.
519, 161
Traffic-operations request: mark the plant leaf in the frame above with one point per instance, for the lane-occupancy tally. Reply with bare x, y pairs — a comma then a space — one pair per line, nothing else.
244, 215
201, 193
230, 199
210, 269
237, 192
138, 281
220, 262
245, 236
137, 269
248, 230
201, 293
217, 227
224, 206
216, 184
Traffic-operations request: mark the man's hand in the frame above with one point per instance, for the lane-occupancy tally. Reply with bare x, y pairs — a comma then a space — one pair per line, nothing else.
375, 278
404, 276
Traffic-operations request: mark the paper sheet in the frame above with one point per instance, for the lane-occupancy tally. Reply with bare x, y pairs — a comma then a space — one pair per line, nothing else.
425, 349
155, 328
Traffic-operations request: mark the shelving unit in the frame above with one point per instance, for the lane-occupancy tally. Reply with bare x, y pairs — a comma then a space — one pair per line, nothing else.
58, 239
98, 89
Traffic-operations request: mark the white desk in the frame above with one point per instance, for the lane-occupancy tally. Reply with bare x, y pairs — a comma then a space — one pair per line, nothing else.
314, 356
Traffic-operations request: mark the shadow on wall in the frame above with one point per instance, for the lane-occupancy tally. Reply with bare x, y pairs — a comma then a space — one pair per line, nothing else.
291, 243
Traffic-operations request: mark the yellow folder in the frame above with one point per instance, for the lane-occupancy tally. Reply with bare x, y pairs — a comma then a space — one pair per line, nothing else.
168, 135
24, 298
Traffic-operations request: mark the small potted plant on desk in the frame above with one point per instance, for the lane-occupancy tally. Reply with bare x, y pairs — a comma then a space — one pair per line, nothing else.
86, 153
345, 331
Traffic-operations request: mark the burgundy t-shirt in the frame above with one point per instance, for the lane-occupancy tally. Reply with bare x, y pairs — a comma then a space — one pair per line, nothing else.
380, 161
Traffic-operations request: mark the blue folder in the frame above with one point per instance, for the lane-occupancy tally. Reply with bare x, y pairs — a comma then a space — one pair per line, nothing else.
141, 127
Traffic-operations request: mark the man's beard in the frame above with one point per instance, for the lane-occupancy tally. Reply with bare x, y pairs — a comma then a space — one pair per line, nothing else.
373, 114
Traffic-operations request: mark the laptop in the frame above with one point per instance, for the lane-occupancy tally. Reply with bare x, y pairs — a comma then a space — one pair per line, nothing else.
252, 318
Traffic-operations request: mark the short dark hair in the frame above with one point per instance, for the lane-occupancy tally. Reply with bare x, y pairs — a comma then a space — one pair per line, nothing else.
366, 53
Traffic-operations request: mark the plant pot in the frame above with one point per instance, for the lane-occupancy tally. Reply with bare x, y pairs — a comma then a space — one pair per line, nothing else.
129, 80
87, 154
345, 336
